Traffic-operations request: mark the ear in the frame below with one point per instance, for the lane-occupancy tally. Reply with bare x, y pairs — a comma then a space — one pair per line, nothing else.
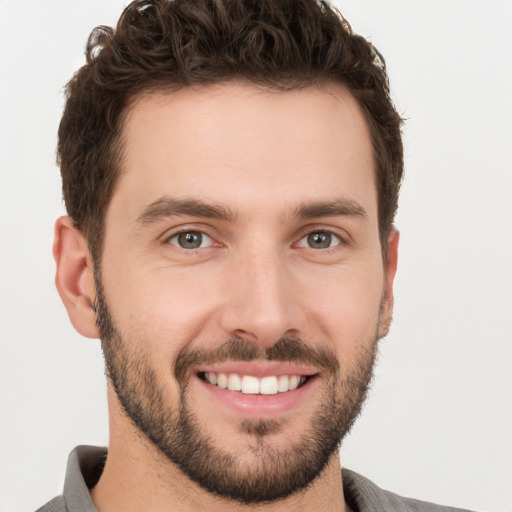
388, 300
74, 277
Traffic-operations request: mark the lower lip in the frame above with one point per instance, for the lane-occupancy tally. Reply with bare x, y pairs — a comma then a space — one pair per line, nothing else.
252, 406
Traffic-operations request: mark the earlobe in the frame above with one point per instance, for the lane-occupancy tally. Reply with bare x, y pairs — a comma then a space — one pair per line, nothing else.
389, 277
74, 276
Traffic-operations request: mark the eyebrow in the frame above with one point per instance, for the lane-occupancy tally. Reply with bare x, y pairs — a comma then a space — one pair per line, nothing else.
166, 207
170, 207
336, 208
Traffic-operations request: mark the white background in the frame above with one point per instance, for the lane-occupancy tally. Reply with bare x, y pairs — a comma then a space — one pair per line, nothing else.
438, 425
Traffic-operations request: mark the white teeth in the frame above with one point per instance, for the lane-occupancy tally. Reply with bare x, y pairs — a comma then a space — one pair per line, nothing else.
250, 385
294, 382
283, 384
268, 386
222, 380
234, 382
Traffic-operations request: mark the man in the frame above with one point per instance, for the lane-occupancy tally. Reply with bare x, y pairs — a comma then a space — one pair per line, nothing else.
231, 174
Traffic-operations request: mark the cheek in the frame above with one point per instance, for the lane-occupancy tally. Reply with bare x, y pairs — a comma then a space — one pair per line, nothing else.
344, 303
165, 309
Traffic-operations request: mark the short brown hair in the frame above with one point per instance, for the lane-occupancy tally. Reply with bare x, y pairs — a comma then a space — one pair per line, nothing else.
168, 44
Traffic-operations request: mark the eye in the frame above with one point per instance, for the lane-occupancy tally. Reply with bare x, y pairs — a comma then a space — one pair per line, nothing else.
320, 240
190, 240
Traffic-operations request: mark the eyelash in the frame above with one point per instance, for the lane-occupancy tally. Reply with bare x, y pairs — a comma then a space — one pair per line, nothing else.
184, 231
324, 232
327, 250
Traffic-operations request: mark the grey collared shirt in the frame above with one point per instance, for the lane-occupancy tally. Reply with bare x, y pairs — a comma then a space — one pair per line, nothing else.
85, 465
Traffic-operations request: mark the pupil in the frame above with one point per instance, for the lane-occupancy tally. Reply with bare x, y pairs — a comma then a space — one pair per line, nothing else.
190, 240
319, 240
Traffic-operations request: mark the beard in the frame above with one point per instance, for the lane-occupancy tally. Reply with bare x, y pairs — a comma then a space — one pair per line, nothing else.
173, 428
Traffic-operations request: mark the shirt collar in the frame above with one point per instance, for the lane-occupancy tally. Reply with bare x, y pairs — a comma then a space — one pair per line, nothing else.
86, 463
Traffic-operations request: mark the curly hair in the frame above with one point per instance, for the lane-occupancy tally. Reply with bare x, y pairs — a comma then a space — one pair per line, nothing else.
169, 44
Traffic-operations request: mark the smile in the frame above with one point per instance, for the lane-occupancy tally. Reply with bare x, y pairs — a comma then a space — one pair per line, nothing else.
250, 385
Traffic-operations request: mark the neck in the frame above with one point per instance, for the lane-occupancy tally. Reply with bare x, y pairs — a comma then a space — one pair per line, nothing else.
138, 477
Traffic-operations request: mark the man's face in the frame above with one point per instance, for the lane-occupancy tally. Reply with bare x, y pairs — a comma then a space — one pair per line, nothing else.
242, 250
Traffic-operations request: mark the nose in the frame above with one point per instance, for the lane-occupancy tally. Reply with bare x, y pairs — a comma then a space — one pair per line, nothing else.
261, 303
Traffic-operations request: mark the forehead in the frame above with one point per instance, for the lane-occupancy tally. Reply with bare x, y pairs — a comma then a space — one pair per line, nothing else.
245, 146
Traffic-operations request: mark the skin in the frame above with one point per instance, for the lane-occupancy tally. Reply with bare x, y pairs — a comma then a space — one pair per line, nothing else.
262, 155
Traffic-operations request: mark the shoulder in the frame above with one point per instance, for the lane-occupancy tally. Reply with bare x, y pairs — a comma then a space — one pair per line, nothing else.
364, 496
85, 465
56, 505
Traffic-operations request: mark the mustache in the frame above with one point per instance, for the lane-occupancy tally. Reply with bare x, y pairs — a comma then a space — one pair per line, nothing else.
286, 349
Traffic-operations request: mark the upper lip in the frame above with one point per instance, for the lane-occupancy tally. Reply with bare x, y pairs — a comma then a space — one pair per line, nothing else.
258, 369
